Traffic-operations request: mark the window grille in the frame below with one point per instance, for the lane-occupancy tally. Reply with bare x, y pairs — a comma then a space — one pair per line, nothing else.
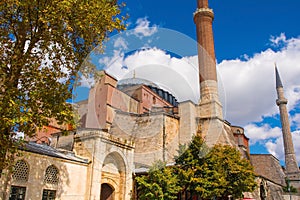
51, 175
49, 194
17, 193
21, 171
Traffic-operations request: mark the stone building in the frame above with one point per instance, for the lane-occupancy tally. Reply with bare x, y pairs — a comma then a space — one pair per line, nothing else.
126, 125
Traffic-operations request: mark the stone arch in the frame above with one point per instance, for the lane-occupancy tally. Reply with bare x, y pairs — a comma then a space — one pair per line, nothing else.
114, 174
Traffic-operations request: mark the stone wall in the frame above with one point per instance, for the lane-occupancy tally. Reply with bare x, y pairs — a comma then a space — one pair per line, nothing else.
266, 189
111, 162
292, 196
188, 128
72, 182
155, 135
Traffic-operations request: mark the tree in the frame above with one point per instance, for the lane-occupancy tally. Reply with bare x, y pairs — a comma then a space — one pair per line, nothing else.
196, 175
43, 44
216, 172
160, 183
209, 173
237, 171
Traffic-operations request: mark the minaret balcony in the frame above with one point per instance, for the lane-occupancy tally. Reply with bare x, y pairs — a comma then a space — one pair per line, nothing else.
281, 101
204, 12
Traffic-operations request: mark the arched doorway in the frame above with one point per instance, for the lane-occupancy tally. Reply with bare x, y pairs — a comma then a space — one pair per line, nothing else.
113, 174
107, 192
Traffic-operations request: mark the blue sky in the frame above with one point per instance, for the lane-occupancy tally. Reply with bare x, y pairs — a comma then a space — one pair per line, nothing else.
250, 35
240, 27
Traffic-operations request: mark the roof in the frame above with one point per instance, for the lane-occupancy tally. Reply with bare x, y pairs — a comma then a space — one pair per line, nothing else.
136, 81
141, 170
131, 82
264, 154
53, 152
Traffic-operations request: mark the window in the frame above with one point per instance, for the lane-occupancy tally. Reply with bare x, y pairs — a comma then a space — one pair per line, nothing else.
51, 175
21, 171
154, 100
17, 193
49, 194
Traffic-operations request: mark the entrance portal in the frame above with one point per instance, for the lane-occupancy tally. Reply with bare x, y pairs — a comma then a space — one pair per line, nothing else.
107, 192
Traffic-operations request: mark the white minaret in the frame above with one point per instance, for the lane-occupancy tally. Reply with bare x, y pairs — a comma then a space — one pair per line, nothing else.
292, 168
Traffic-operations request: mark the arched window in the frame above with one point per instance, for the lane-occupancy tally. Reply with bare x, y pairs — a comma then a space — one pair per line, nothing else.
154, 100
51, 175
21, 171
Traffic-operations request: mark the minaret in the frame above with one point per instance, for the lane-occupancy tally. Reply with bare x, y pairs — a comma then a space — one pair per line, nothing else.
209, 102
209, 116
292, 169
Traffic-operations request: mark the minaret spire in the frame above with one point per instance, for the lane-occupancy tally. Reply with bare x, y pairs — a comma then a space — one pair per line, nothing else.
203, 18
278, 80
292, 169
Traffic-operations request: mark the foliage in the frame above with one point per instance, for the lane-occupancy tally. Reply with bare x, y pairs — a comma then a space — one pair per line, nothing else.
43, 44
289, 188
209, 173
196, 175
216, 172
159, 183
292, 189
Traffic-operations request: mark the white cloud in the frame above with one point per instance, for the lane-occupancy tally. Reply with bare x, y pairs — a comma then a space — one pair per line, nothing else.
143, 28
115, 62
279, 39
120, 43
250, 85
175, 75
261, 133
19, 135
276, 147
296, 120
87, 82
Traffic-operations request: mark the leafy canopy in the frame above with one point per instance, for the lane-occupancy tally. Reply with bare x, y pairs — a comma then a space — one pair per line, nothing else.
209, 173
43, 44
161, 182
216, 172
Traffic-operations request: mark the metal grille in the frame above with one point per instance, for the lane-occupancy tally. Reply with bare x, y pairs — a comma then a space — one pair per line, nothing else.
51, 175
21, 171
49, 194
17, 193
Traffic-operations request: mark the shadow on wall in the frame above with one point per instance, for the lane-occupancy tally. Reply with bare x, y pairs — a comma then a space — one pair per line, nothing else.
35, 177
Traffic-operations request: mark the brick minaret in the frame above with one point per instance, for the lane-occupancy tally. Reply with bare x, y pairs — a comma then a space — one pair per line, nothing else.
209, 116
292, 169
209, 102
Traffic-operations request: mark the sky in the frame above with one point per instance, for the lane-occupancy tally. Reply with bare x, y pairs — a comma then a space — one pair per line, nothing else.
250, 36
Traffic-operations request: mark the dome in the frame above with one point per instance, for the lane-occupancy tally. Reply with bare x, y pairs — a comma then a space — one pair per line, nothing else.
130, 82
136, 81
